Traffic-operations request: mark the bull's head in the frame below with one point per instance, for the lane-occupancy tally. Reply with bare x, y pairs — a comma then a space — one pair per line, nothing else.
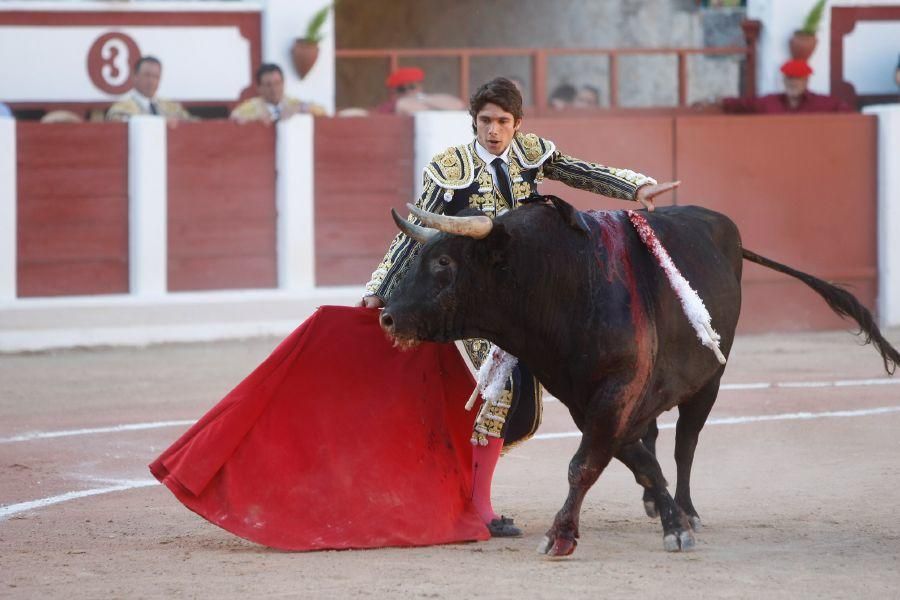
426, 305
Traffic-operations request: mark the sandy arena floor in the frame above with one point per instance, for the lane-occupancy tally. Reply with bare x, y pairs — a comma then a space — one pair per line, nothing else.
797, 485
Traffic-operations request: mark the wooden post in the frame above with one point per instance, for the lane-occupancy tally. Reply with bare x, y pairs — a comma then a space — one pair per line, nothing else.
682, 79
751, 29
613, 80
464, 77
539, 79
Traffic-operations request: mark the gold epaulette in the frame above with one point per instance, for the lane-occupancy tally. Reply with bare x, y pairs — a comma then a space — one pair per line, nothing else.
532, 150
452, 169
123, 109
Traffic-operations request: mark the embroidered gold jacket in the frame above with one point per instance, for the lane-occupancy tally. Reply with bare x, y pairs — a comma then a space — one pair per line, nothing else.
128, 107
457, 179
255, 109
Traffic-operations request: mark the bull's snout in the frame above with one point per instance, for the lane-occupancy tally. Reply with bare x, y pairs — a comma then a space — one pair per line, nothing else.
387, 322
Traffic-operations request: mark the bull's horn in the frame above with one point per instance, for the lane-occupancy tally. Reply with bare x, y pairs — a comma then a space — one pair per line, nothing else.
477, 227
416, 232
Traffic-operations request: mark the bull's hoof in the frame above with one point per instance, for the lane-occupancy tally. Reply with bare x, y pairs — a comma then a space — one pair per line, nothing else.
678, 541
557, 546
650, 509
696, 525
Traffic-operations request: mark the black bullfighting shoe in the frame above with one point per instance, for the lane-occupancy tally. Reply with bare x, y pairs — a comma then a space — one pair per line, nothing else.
503, 527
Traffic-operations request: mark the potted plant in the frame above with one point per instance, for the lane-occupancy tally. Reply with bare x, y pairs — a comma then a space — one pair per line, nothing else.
803, 42
306, 49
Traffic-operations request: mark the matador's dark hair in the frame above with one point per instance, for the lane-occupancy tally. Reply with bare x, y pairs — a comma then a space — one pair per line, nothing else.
500, 91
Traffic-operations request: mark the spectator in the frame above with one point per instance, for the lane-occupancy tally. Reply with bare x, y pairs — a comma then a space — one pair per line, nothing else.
407, 95
796, 97
5, 111
272, 104
62, 116
143, 99
587, 97
563, 96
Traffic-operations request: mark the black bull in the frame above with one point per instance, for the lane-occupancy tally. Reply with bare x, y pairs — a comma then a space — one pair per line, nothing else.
582, 302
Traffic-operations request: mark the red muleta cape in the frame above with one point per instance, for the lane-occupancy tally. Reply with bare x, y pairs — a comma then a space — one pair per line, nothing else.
337, 440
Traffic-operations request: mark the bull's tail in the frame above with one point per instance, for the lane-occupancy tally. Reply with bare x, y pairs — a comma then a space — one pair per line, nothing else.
843, 303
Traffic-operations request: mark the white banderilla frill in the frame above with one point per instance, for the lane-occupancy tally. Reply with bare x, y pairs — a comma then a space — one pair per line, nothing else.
691, 303
491, 379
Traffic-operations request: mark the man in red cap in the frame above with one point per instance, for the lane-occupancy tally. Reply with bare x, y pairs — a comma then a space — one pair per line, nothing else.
796, 97
408, 97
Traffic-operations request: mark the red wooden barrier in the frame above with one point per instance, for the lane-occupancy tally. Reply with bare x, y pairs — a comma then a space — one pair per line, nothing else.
642, 144
364, 166
72, 209
802, 189
221, 210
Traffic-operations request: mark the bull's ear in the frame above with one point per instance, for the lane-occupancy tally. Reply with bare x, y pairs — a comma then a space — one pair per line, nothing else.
572, 216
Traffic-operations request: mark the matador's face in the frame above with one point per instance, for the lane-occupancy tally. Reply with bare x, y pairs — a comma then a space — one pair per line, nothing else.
495, 128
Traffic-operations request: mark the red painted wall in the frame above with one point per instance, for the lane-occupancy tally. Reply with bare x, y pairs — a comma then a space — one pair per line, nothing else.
642, 144
802, 190
364, 166
72, 209
221, 210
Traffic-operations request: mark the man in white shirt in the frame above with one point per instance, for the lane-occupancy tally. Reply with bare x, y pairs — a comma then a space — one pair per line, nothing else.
143, 100
494, 173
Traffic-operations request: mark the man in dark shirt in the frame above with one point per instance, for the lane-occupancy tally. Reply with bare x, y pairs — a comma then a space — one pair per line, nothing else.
796, 97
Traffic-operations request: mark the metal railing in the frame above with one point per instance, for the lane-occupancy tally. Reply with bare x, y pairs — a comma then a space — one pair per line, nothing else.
539, 59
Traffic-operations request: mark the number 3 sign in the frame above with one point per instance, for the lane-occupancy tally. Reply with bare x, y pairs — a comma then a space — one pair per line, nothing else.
110, 60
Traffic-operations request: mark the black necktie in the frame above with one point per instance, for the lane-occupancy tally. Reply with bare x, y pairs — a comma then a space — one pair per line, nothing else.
153, 109
502, 179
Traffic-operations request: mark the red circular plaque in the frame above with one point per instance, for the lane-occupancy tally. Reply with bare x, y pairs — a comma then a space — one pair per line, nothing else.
109, 62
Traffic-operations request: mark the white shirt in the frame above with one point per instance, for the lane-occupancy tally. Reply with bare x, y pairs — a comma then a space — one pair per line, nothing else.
275, 110
487, 157
144, 102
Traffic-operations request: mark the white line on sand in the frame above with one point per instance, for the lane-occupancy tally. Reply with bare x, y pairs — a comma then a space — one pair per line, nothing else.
800, 416
774, 385
811, 384
13, 509
41, 435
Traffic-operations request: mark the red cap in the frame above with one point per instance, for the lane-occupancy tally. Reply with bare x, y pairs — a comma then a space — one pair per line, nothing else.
404, 76
796, 68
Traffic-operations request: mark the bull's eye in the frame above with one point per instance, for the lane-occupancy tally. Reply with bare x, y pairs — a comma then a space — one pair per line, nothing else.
444, 261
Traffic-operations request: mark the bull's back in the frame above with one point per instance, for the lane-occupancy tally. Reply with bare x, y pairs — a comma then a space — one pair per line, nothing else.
706, 247
696, 235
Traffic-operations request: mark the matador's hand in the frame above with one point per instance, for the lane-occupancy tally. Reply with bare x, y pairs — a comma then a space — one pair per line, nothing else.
647, 193
371, 302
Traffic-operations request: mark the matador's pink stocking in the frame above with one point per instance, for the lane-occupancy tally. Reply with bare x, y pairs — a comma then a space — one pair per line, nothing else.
484, 460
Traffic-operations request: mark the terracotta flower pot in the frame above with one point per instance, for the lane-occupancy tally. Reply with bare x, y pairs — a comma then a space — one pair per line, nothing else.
802, 45
304, 53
